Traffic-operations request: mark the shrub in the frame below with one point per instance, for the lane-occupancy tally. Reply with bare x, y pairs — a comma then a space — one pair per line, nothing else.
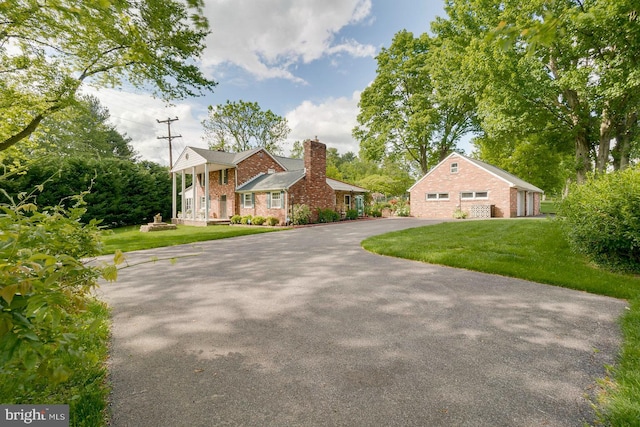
301, 215
601, 219
246, 219
46, 291
352, 214
272, 221
235, 219
459, 214
328, 215
258, 220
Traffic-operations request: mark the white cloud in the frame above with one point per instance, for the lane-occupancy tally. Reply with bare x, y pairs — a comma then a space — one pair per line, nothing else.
136, 115
268, 38
331, 121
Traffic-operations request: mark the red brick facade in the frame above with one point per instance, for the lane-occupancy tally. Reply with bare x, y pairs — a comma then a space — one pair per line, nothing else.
310, 189
457, 183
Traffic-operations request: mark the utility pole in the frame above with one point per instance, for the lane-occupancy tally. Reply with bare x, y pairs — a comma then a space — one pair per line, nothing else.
169, 137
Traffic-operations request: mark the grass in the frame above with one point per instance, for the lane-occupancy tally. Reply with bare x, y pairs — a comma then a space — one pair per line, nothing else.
534, 250
86, 391
131, 239
548, 207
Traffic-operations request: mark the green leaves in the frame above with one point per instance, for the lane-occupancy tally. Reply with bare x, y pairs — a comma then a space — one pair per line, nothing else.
150, 44
240, 126
43, 285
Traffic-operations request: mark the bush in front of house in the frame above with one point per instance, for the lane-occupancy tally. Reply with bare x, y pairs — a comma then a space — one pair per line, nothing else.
328, 215
601, 219
247, 219
352, 214
301, 215
272, 221
235, 219
258, 220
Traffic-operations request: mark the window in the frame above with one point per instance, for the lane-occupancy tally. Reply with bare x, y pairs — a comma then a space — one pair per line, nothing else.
437, 196
247, 200
276, 200
347, 201
223, 178
188, 204
201, 179
473, 195
202, 200
454, 168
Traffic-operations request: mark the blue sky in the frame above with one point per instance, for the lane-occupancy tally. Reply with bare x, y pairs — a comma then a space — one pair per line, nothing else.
306, 60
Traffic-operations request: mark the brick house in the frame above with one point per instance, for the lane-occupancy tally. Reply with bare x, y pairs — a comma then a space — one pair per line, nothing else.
257, 183
476, 188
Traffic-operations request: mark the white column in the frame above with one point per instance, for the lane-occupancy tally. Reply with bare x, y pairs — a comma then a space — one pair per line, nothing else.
194, 185
206, 191
174, 196
184, 188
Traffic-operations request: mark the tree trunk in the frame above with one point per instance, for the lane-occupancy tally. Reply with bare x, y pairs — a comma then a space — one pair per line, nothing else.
604, 147
581, 129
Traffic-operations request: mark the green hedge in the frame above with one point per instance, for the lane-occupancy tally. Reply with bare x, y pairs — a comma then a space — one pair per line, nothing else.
601, 219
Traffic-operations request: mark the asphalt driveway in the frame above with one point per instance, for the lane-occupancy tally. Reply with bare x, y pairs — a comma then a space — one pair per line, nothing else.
305, 328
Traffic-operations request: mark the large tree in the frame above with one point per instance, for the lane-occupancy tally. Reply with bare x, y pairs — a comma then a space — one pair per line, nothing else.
566, 69
84, 129
240, 126
417, 107
48, 49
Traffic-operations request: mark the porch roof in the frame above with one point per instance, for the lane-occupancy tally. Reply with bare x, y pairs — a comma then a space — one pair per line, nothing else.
343, 186
272, 181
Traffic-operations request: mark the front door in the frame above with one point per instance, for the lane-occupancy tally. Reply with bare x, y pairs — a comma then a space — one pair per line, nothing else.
223, 207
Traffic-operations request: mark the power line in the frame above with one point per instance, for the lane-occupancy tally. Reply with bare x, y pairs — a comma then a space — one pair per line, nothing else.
169, 137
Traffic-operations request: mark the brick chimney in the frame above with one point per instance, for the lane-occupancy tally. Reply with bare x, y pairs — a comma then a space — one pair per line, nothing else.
318, 192
315, 160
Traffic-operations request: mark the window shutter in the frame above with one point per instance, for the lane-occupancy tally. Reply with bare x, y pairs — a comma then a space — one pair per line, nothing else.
220, 177
253, 200
282, 200
268, 200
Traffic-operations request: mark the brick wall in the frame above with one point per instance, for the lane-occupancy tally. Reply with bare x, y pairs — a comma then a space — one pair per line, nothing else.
259, 162
468, 177
313, 190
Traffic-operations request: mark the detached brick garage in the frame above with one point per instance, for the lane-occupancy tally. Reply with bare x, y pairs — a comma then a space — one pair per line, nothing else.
474, 187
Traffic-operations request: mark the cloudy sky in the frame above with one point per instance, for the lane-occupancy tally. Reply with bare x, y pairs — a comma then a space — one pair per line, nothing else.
306, 60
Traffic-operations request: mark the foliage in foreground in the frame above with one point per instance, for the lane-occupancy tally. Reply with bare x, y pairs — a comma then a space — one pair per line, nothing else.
601, 219
53, 334
85, 390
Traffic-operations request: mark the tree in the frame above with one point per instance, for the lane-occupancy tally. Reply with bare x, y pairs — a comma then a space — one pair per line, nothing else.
49, 49
84, 129
240, 126
553, 68
415, 108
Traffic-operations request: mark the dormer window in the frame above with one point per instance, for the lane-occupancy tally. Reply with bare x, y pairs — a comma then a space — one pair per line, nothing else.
454, 167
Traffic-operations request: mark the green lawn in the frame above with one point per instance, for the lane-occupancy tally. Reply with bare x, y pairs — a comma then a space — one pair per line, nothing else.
548, 207
533, 249
131, 239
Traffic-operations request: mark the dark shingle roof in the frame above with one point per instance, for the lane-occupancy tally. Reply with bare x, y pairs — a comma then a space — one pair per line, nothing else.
272, 181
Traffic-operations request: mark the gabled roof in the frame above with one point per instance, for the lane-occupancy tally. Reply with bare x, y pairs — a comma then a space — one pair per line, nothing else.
509, 178
272, 181
343, 186
289, 163
193, 156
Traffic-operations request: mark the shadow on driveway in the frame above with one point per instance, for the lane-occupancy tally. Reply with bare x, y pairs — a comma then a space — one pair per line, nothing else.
303, 327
